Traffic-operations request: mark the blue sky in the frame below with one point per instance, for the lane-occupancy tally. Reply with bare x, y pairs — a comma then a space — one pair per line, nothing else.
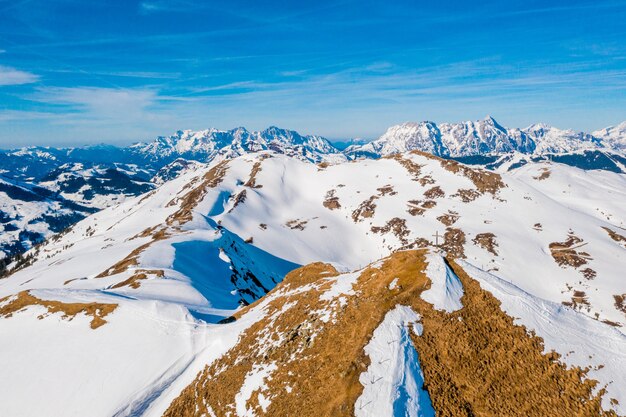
76, 72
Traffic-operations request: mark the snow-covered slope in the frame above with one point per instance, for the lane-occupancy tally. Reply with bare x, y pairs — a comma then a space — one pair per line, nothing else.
486, 137
29, 214
100, 176
151, 291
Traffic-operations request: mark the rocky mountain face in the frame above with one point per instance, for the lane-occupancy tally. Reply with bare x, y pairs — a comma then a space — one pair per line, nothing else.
268, 285
486, 137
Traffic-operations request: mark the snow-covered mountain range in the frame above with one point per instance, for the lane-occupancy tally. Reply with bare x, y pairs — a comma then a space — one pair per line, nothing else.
267, 285
487, 137
95, 177
205, 145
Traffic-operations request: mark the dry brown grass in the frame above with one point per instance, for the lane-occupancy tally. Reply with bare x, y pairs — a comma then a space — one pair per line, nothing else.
476, 361
419, 207
467, 195
589, 273
238, 199
620, 303
191, 199
320, 362
296, 224
134, 281
454, 241
616, 236
256, 168
365, 210
578, 301
397, 226
413, 168
434, 192
386, 190
487, 241
449, 218
332, 201
414, 208
484, 181
568, 254
24, 299
545, 174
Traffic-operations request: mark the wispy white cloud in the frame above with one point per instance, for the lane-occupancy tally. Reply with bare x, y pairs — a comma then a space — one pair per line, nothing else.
99, 102
13, 76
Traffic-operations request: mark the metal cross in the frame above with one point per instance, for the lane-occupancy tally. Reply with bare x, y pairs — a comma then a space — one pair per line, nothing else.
437, 236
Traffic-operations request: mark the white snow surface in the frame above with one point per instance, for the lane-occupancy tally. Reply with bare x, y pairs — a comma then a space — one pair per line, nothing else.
445, 290
393, 382
255, 380
164, 332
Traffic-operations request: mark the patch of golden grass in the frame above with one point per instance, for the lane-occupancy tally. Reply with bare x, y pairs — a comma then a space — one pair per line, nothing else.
545, 174
256, 168
397, 226
453, 242
134, 281
320, 362
484, 181
486, 241
132, 259
419, 207
331, 202
434, 192
24, 299
467, 195
191, 199
476, 361
387, 189
620, 303
239, 198
449, 218
616, 236
365, 210
567, 253
297, 224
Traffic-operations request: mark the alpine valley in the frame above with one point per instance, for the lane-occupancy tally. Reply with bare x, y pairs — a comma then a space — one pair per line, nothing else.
462, 269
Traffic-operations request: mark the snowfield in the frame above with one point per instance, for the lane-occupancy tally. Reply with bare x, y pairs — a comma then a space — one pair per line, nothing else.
180, 260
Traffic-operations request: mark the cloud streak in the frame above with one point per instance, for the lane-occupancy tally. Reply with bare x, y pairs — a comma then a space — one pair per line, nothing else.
12, 76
